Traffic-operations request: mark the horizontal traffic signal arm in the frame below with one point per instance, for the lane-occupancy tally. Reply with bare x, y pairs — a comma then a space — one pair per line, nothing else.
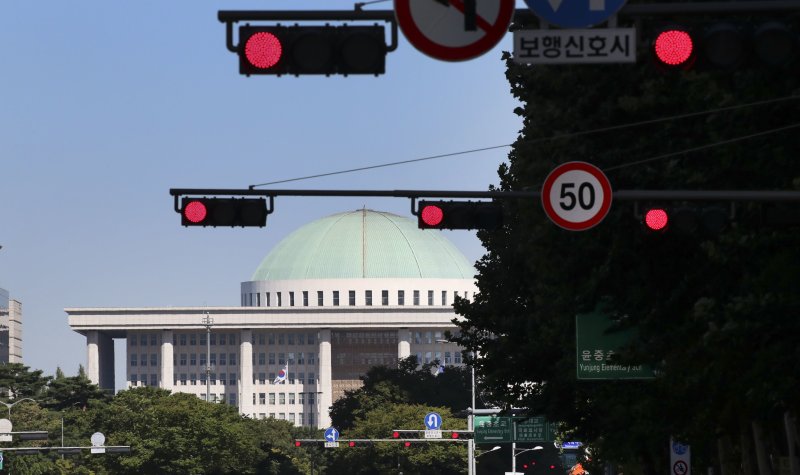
365, 442
109, 449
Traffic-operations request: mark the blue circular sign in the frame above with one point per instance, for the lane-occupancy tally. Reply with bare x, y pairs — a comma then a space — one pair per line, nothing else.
331, 434
575, 13
433, 421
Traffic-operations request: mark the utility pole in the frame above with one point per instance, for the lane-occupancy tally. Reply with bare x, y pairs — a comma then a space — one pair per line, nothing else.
208, 322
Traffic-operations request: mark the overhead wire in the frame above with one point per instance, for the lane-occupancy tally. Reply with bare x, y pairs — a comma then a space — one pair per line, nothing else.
573, 135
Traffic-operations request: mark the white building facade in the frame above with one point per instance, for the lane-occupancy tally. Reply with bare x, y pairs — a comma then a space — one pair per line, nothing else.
334, 298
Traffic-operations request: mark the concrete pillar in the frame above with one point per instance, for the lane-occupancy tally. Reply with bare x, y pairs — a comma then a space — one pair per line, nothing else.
246, 372
105, 350
93, 356
167, 367
403, 343
325, 390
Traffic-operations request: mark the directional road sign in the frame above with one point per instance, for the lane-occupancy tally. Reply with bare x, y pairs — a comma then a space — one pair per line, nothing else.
331, 434
576, 196
454, 30
433, 421
575, 13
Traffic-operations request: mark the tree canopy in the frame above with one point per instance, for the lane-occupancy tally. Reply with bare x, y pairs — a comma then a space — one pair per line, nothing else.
714, 313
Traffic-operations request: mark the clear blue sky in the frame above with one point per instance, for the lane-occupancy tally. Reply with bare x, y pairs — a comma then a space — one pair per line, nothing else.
105, 106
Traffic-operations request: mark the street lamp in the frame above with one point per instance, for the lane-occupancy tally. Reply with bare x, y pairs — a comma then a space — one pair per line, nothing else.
471, 418
9, 406
496, 447
514, 454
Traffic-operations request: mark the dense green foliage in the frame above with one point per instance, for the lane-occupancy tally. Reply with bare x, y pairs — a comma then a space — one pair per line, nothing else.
169, 433
715, 314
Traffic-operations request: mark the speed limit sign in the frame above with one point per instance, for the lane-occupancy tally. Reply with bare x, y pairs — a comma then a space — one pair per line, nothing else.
576, 196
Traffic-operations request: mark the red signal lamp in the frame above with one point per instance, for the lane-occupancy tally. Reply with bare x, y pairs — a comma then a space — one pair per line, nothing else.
195, 211
454, 435
674, 48
407, 444
432, 215
351, 444
263, 50
297, 443
656, 219
396, 435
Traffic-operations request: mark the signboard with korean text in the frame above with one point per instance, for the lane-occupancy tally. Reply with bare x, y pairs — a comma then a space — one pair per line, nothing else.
597, 345
608, 45
534, 429
492, 429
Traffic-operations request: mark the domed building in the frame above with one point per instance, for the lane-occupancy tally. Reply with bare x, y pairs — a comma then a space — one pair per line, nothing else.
335, 297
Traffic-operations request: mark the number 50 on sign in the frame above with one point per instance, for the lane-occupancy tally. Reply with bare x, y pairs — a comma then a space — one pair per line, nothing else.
576, 196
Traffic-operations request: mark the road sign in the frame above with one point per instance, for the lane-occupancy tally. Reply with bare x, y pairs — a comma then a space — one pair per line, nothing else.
604, 45
331, 437
680, 458
492, 429
454, 30
596, 344
433, 421
98, 439
533, 429
5, 430
575, 13
576, 196
1, 460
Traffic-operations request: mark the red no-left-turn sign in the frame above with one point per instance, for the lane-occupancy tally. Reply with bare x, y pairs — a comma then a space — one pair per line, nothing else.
454, 30
576, 196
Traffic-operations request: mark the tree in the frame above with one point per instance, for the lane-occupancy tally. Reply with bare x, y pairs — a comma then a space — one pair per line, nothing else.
18, 381
73, 392
713, 313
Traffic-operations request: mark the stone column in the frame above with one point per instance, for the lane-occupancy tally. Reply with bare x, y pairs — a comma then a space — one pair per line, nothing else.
167, 365
325, 388
246, 372
403, 343
105, 351
93, 356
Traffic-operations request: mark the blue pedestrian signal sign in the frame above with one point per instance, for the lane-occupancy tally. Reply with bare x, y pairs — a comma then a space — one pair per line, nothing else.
575, 13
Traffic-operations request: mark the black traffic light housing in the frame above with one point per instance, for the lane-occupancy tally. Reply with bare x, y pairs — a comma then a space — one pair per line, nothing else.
244, 212
459, 215
301, 50
708, 220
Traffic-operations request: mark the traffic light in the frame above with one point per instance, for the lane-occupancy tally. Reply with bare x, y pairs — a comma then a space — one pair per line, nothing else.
724, 45
459, 215
231, 212
300, 50
687, 220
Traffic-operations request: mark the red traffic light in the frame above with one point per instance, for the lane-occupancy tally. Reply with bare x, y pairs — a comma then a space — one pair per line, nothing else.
396, 435
297, 443
432, 215
351, 444
454, 435
674, 47
407, 444
656, 219
263, 50
195, 211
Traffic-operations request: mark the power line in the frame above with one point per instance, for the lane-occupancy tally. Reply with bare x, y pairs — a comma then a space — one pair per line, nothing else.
564, 136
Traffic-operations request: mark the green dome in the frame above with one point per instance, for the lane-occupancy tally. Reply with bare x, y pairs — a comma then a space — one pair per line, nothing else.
364, 244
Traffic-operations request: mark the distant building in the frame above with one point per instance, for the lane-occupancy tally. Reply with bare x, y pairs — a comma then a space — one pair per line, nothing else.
10, 329
337, 296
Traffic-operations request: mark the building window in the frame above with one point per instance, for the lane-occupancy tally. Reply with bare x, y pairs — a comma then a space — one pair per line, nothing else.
281, 338
223, 378
232, 359
203, 339
352, 297
384, 297
262, 378
212, 378
134, 361
300, 418
258, 300
213, 338
193, 379
272, 378
281, 358
153, 339
301, 398
133, 380
134, 340
232, 379
213, 359
444, 297
291, 299
310, 338
272, 399
262, 358
368, 297
311, 358
232, 399
222, 359
262, 398
154, 359
417, 338
222, 339
183, 379
272, 358
305, 298
447, 360
290, 359
430, 297
301, 338
319, 298
153, 380
301, 378
193, 339
401, 297
182, 339
336, 298
271, 339
300, 359
144, 340
311, 398
282, 398
290, 338
143, 359
416, 297
291, 398
202, 359
311, 380
269, 304
457, 357
279, 299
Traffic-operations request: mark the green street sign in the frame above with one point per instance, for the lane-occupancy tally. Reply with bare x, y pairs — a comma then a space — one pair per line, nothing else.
492, 429
534, 429
596, 346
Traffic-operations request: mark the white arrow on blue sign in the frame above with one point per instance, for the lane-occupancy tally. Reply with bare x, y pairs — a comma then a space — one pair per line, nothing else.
433, 421
575, 13
331, 434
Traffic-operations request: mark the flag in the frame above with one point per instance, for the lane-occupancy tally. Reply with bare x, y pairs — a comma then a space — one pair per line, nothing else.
281, 378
